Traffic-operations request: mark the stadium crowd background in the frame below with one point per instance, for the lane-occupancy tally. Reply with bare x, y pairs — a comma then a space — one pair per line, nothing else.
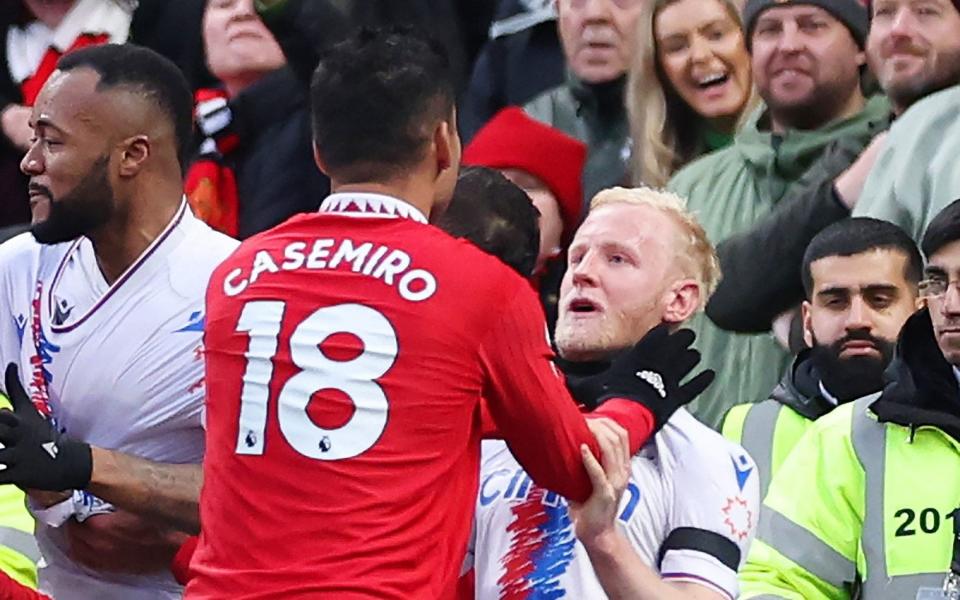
773, 121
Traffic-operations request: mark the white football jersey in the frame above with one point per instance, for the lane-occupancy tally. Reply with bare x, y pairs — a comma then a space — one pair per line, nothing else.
120, 366
690, 512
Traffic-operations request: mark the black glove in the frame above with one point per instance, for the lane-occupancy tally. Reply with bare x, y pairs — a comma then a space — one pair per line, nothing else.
650, 374
35, 455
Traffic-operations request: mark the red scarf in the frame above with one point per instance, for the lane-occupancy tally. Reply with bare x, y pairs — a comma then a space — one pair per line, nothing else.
30, 88
211, 185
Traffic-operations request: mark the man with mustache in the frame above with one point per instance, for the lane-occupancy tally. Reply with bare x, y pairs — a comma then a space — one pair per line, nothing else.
103, 321
861, 279
914, 51
915, 175
807, 58
866, 504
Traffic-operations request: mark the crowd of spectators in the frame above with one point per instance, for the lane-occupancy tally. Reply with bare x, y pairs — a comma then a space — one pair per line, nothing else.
786, 161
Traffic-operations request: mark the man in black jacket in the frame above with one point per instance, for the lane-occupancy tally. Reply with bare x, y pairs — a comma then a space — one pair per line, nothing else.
861, 277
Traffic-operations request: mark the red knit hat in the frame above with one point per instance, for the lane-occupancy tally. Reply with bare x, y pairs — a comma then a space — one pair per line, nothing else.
512, 140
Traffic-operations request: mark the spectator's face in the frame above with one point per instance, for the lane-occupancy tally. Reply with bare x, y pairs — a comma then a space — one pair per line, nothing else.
703, 55
597, 36
914, 48
858, 305
805, 61
551, 222
240, 49
68, 162
944, 266
622, 265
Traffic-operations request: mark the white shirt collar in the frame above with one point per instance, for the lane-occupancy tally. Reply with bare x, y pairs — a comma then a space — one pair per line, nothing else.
956, 373
357, 204
828, 396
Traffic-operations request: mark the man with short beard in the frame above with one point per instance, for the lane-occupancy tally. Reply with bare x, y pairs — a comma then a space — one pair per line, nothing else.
914, 50
865, 505
103, 310
639, 263
861, 279
915, 174
807, 57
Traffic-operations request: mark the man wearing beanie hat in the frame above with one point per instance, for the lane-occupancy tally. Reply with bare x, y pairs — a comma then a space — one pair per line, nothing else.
913, 49
851, 13
544, 162
807, 57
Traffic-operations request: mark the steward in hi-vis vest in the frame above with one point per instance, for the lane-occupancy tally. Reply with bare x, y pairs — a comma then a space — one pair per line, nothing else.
860, 277
865, 506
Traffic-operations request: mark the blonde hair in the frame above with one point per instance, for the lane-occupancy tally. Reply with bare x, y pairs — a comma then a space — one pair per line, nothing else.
697, 255
665, 130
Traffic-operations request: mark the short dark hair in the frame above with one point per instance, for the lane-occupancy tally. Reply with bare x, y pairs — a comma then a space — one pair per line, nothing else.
374, 100
942, 230
858, 235
495, 214
146, 72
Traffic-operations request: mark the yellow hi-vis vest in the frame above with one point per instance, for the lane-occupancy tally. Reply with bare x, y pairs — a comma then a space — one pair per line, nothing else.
768, 431
18, 548
858, 503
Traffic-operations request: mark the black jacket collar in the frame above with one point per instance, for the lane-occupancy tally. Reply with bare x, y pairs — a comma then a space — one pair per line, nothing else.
922, 387
800, 389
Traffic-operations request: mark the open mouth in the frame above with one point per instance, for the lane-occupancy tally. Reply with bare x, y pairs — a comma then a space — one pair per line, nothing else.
713, 81
584, 306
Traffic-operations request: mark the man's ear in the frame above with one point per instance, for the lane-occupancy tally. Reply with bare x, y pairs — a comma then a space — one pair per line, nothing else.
443, 146
136, 151
807, 323
319, 159
683, 299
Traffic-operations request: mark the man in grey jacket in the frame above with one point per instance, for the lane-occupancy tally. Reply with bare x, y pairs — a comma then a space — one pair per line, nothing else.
597, 38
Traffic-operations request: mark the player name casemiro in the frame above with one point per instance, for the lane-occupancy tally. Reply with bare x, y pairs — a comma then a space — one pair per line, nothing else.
380, 262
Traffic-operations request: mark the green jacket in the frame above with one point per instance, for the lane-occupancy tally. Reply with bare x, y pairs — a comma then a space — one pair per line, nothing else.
730, 190
862, 506
595, 115
769, 430
916, 173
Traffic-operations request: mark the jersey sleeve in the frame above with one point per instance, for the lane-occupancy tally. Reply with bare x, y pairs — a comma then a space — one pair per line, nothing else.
713, 519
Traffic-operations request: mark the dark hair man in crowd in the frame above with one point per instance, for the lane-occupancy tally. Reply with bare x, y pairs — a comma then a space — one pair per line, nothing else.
861, 279
807, 58
496, 215
913, 50
864, 505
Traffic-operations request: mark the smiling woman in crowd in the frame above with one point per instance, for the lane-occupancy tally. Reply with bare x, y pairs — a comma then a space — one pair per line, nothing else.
689, 84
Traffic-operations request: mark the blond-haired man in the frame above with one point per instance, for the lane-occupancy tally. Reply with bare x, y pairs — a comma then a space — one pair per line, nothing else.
638, 261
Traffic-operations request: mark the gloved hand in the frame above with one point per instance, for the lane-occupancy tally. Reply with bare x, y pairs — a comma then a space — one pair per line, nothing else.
35, 455
651, 373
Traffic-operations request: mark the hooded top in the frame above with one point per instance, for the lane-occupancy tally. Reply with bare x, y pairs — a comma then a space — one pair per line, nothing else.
922, 386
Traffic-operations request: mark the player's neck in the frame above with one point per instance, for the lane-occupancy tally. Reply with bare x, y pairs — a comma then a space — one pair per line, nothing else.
122, 241
421, 197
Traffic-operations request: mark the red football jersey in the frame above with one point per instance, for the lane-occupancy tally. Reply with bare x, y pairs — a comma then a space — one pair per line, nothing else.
346, 353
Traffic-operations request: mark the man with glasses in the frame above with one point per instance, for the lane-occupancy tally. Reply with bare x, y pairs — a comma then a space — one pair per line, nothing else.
865, 504
861, 278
